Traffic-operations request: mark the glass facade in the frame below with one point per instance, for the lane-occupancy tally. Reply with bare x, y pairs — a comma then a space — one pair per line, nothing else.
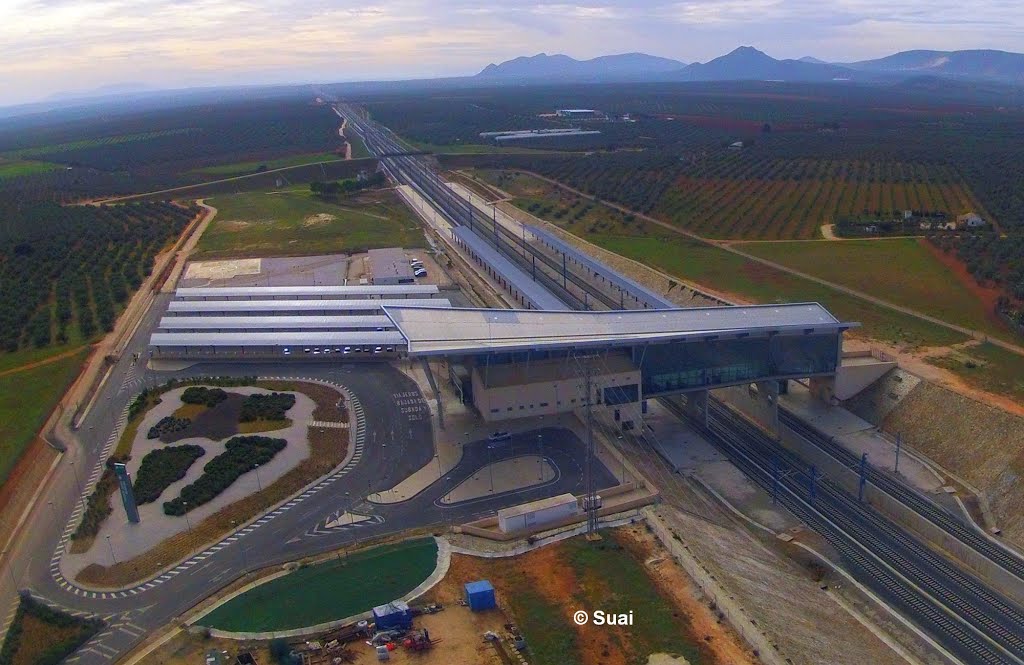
668, 368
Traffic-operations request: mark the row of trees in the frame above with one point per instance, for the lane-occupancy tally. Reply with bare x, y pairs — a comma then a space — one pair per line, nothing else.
75, 265
333, 189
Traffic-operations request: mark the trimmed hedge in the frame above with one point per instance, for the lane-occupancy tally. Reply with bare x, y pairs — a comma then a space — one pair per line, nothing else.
168, 425
242, 454
97, 506
53, 653
201, 395
162, 467
266, 407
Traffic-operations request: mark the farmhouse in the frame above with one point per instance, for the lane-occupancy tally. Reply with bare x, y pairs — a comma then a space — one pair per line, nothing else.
970, 220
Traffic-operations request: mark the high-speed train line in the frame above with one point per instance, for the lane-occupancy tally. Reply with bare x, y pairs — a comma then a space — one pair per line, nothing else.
967, 617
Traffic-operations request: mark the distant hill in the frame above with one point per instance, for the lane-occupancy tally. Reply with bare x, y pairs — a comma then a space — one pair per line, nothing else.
748, 64
811, 59
622, 67
974, 64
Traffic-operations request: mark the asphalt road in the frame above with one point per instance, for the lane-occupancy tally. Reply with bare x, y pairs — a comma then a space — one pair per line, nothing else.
397, 441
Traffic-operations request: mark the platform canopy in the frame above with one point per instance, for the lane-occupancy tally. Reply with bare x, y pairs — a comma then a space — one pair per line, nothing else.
439, 331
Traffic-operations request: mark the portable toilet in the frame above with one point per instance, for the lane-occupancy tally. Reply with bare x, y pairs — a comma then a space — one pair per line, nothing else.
395, 614
480, 596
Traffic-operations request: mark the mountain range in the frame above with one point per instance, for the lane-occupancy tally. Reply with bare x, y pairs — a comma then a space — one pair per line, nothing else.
748, 63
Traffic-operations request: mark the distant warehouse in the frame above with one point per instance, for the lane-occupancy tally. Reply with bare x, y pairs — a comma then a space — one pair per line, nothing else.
577, 113
537, 134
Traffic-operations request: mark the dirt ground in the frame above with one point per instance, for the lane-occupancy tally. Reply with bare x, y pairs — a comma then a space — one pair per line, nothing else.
553, 578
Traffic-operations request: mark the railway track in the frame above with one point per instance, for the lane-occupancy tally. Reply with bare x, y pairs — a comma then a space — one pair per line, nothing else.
972, 621
993, 551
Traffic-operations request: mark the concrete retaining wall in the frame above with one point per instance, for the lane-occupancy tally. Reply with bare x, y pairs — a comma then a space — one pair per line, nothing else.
725, 602
849, 480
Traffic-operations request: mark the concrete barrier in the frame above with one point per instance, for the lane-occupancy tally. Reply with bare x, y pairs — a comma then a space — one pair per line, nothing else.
725, 602
849, 480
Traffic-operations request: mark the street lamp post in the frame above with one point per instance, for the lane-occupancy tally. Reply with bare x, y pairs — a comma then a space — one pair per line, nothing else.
53, 510
259, 484
188, 523
109, 545
540, 458
490, 468
349, 501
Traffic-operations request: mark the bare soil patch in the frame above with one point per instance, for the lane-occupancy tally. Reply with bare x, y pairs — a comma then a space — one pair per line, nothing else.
22, 482
318, 219
214, 423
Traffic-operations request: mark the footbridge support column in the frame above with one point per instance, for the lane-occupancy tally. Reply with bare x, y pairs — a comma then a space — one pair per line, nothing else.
696, 406
759, 401
823, 388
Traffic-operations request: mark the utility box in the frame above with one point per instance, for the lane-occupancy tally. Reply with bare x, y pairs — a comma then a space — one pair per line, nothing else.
395, 614
537, 513
480, 596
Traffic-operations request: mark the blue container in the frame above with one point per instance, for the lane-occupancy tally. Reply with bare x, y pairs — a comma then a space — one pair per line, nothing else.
480, 596
393, 615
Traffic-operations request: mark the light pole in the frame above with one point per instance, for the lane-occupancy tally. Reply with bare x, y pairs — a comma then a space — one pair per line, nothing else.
349, 501
53, 510
490, 469
259, 484
187, 522
540, 458
109, 545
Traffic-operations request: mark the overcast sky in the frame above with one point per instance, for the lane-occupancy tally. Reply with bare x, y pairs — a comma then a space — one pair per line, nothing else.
51, 46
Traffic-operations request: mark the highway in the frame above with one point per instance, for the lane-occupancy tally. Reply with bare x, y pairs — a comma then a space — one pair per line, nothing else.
968, 617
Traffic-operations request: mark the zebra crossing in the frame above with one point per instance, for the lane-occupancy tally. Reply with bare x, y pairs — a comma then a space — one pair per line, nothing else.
356, 411
116, 625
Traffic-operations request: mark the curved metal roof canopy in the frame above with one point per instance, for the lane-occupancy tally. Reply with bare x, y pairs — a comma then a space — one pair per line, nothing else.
437, 331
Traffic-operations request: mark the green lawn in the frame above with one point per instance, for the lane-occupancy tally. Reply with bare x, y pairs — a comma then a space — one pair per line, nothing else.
899, 270
287, 223
987, 367
13, 169
26, 399
705, 264
243, 168
329, 591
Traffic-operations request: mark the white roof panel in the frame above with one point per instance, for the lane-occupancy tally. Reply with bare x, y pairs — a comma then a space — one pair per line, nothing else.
275, 339
356, 291
438, 331
172, 323
298, 305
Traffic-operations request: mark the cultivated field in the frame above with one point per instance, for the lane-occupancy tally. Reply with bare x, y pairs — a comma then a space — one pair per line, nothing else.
901, 270
758, 197
295, 222
242, 168
26, 399
705, 264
